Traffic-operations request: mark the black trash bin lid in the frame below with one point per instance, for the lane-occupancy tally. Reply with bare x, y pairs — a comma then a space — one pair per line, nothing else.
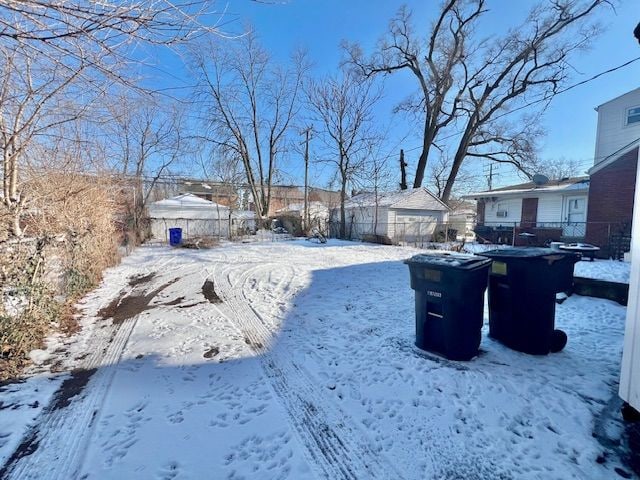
531, 252
447, 259
520, 252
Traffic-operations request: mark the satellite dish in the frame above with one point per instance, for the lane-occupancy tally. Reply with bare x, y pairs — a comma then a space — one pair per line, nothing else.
539, 179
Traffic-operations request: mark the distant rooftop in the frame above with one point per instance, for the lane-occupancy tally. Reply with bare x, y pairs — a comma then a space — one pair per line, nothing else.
397, 199
564, 184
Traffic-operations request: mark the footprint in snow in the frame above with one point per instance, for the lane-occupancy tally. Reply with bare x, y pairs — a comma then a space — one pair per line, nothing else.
169, 471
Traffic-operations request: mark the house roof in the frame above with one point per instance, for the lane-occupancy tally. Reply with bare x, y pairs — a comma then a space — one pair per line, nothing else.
614, 157
619, 96
552, 186
415, 199
188, 200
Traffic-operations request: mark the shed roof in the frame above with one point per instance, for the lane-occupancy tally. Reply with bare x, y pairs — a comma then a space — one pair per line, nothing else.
414, 199
188, 200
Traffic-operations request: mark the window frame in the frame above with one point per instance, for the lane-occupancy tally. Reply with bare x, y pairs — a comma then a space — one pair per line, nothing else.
629, 115
505, 209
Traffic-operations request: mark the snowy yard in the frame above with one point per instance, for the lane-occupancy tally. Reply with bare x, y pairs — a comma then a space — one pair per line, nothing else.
296, 360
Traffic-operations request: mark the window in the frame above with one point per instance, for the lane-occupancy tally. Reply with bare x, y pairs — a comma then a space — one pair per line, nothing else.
501, 211
633, 115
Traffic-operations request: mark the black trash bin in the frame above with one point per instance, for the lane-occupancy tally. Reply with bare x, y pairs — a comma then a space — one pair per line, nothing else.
449, 295
523, 283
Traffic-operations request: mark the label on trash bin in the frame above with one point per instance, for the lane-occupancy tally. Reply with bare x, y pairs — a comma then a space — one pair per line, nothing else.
433, 275
499, 268
434, 294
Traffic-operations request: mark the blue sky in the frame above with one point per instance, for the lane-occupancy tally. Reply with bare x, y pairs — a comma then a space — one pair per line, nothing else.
320, 25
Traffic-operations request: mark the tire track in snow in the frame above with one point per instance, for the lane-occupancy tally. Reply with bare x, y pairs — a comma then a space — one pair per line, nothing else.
54, 447
62, 434
337, 448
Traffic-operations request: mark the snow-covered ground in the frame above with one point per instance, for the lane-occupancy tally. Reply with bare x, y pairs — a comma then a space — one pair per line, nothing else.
296, 360
610, 270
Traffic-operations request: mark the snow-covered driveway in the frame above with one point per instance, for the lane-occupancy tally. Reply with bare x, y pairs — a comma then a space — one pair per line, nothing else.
296, 360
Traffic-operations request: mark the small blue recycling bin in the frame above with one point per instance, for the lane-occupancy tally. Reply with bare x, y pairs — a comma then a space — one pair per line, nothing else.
175, 236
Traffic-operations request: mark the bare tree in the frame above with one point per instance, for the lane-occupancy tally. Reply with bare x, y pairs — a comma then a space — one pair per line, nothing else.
227, 175
468, 87
468, 180
343, 106
30, 106
436, 65
559, 168
249, 106
57, 57
146, 141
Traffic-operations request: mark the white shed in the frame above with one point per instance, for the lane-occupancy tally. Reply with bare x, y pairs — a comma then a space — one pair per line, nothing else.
196, 216
405, 216
243, 222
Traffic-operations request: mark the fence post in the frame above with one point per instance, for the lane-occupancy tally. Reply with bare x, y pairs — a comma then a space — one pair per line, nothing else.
513, 241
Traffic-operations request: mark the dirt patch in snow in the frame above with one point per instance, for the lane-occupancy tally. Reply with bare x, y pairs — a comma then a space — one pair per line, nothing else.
124, 307
191, 305
109, 310
212, 352
209, 292
256, 345
141, 279
176, 301
28, 445
71, 387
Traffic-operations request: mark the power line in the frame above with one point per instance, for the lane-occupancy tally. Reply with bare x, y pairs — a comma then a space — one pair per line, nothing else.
570, 87
546, 97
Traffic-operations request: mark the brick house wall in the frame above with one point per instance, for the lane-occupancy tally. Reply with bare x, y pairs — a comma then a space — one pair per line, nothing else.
611, 198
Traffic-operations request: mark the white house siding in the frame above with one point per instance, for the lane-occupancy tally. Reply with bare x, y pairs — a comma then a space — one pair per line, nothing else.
198, 227
415, 225
513, 206
361, 220
550, 208
196, 217
613, 133
630, 369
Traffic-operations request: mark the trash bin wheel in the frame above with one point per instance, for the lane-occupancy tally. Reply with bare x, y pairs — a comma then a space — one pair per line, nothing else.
558, 341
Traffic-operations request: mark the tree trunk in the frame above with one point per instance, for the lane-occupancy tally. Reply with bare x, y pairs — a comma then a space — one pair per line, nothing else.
343, 199
461, 153
422, 161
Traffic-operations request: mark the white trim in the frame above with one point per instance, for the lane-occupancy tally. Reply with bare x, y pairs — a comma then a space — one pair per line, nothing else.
629, 389
533, 192
616, 98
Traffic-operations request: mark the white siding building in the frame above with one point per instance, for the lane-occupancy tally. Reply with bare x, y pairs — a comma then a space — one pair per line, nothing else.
560, 206
196, 217
618, 125
406, 216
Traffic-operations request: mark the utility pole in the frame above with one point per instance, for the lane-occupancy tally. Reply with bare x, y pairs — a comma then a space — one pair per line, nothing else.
490, 178
305, 216
403, 172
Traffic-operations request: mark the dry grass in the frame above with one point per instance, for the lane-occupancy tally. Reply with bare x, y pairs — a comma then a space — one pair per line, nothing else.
70, 224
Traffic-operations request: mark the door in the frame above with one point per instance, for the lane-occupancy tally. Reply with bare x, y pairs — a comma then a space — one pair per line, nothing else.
529, 215
575, 225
